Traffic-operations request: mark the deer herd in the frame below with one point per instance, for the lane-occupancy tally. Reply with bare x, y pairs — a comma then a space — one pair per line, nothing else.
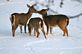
21, 19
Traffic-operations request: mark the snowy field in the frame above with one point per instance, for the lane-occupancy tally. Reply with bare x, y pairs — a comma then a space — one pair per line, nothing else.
54, 44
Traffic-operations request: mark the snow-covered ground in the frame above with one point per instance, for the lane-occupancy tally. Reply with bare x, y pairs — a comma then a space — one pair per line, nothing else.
54, 44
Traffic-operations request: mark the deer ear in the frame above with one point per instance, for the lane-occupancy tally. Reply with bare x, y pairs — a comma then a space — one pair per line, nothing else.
34, 4
28, 5
47, 9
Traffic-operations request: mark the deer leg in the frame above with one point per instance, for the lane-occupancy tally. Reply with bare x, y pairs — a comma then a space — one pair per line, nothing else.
43, 32
47, 30
63, 32
50, 30
13, 33
37, 30
63, 29
29, 29
66, 31
13, 29
21, 28
38, 34
34, 32
25, 28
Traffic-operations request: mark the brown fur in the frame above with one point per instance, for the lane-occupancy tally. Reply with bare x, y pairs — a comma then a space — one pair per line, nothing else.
52, 20
21, 19
36, 23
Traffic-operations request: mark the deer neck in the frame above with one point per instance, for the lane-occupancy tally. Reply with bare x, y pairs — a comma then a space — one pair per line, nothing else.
29, 14
44, 17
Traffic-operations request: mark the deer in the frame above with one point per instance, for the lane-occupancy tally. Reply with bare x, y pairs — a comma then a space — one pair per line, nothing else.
36, 23
21, 19
62, 21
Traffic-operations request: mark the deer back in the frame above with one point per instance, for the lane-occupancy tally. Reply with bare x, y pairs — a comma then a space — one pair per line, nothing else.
35, 22
57, 20
22, 18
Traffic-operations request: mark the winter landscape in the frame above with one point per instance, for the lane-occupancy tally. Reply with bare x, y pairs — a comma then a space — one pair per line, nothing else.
55, 43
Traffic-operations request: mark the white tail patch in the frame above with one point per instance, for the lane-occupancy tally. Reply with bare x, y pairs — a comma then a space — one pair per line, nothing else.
66, 19
40, 26
40, 23
14, 20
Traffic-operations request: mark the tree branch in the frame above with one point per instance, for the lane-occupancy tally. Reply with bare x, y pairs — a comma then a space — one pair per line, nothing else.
76, 16
48, 5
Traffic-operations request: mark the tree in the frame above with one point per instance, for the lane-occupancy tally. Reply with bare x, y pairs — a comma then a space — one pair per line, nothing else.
7, 0
78, 1
48, 3
61, 3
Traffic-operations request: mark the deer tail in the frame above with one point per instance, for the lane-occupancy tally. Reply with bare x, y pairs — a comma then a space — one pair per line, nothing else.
67, 21
12, 19
41, 23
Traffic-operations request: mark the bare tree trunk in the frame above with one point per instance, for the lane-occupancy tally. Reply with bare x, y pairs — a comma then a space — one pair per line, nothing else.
61, 3
7, 0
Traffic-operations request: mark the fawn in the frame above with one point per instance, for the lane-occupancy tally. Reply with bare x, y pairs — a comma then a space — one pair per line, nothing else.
36, 23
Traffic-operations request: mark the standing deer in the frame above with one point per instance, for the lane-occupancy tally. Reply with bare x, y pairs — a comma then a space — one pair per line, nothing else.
52, 20
36, 23
21, 19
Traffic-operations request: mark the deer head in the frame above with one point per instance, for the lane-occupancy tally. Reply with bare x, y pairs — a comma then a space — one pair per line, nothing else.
32, 9
43, 11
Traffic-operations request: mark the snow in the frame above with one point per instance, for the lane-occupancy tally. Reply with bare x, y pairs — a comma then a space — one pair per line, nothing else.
25, 44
